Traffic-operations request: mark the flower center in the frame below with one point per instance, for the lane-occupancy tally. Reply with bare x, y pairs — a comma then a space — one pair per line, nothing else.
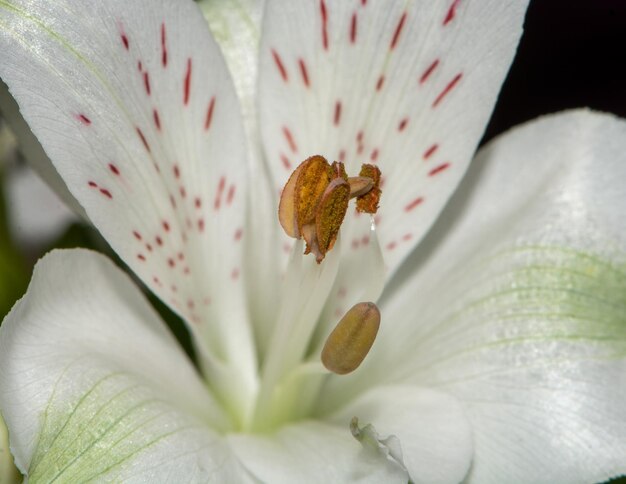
313, 205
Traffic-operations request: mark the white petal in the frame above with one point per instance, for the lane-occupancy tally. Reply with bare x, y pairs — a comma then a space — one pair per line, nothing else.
517, 305
34, 153
434, 433
92, 385
312, 452
407, 85
141, 120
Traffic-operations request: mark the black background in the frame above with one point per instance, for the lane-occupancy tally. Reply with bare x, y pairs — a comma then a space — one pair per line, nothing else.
572, 54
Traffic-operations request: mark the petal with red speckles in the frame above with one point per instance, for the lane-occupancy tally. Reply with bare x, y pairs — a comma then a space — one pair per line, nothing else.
134, 105
406, 85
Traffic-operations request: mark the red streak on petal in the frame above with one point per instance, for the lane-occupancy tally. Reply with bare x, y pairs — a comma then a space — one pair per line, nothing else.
176, 171
159, 241
337, 115
353, 28
285, 161
146, 82
201, 225
143, 139
396, 35
451, 12
290, 140
157, 119
429, 70
374, 155
106, 193
403, 124
380, 82
220, 190
438, 169
447, 89
280, 66
187, 86
238, 235
324, 14
141, 257
125, 41
197, 202
234, 274
391, 246
407, 237
84, 119
231, 195
304, 72
166, 226
114, 169
92, 184
430, 151
209, 114
413, 204
137, 235
163, 46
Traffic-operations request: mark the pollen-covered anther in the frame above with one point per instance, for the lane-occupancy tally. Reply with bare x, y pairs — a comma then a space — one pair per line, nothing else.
368, 201
351, 340
315, 200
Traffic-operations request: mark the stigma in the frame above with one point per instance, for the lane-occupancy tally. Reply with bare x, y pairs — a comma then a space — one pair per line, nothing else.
315, 200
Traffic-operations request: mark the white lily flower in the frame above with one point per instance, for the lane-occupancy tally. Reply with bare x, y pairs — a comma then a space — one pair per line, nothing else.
500, 355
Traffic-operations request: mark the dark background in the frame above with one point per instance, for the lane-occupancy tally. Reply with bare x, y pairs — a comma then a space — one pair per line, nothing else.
572, 54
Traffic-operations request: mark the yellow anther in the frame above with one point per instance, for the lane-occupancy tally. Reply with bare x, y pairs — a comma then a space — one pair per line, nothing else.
351, 340
315, 200
368, 202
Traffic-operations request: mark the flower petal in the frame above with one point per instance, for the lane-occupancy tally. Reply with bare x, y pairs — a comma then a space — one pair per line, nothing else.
518, 305
434, 434
142, 121
312, 452
406, 85
93, 386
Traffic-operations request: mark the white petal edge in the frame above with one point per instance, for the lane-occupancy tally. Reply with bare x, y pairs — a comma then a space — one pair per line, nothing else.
432, 428
515, 305
141, 119
406, 85
312, 452
93, 385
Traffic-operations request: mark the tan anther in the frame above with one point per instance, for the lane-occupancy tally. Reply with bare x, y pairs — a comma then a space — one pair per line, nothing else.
351, 340
368, 202
315, 200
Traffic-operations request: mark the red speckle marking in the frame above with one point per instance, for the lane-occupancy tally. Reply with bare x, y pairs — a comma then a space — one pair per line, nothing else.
238, 235
280, 65
114, 169
92, 184
363, 2
290, 140
183, 192
106, 193
353, 28
180, 256
396, 35
380, 82
137, 235
407, 237
149, 247
190, 304
201, 225
139, 66
146, 82
430, 151
374, 155
285, 161
391, 246
220, 190
187, 85
438, 169
231, 195
447, 89
234, 275
84, 119
176, 171
451, 12
304, 72
141, 257
171, 262
125, 42
413, 204
143, 139
163, 46
359, 137
403, 124
355, 244
342, 292
156, 280
365, 240
186, 271
429, 70
337, 115
157, 119
159, 241
324, 15
209, 114
172, 201
197, 202
342, 155
166, 226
